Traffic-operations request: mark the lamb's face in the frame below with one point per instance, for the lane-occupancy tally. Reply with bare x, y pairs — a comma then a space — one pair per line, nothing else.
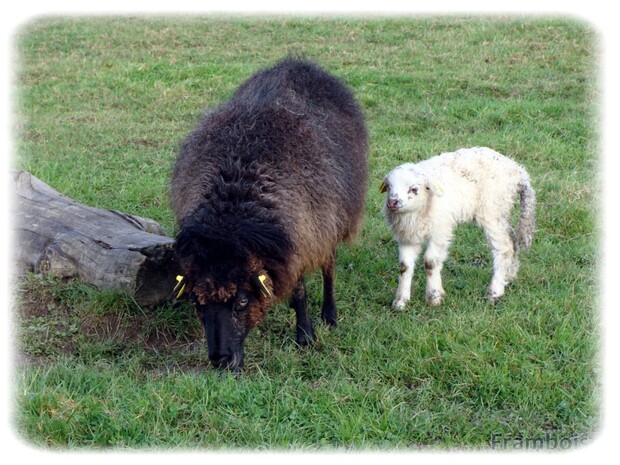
407, 190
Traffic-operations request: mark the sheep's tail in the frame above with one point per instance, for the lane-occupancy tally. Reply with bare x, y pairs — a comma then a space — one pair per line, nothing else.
527, 215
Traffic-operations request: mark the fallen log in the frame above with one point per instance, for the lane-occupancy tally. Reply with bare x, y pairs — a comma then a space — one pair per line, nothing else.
56, 235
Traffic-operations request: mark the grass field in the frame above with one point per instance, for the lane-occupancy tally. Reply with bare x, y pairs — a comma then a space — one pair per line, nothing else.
102, 104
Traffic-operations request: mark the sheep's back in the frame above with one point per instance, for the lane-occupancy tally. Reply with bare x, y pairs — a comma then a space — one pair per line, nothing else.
292, 142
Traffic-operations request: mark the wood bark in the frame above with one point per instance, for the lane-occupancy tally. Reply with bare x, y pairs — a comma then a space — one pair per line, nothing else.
54, 234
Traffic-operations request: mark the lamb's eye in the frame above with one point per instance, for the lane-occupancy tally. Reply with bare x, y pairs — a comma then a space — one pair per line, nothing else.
413, 190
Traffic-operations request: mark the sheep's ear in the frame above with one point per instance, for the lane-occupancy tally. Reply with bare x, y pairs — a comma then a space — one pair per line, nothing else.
435, 187
383, 187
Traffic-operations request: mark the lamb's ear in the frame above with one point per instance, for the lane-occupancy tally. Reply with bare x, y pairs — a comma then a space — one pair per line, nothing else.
434, 186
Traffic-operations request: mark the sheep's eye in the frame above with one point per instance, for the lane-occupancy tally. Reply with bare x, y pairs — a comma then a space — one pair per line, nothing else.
241, 304
413, 190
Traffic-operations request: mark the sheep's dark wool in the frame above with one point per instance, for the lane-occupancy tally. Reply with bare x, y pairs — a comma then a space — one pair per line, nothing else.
263, 191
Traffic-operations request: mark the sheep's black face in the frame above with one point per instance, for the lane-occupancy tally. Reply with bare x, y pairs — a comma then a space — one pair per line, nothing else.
226, 326
229, 286
228, 313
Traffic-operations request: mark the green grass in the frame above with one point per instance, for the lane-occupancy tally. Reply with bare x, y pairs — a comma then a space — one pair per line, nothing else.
101, 107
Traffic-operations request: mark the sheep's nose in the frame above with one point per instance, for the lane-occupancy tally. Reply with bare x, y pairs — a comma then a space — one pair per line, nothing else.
392, 204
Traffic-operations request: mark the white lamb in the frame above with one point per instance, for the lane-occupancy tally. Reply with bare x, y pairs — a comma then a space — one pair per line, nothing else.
426, 200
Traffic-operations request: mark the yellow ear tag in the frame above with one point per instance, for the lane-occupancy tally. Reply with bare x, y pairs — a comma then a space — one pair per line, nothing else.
382, 187
264, 289
180, 286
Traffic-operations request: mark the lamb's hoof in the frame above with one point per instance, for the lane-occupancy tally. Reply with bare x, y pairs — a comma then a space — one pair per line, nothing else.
399, 304
493, 297
435, 298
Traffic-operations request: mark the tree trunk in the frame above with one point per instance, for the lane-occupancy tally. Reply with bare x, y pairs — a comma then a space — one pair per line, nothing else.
109, 249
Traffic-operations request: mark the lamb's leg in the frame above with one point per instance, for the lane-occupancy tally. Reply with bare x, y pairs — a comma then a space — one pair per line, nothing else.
305, 333
407, 255
328, 312
505, 262
436, 254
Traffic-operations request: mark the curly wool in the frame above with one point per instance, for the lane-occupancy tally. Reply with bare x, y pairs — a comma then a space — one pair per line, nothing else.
275, 176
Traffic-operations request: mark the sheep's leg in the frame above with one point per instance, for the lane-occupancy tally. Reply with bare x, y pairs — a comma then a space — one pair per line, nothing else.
505, 263
328, 311
407, 255
298, 302
435, 255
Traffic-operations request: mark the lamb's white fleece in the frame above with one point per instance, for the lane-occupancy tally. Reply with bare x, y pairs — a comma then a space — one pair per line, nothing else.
426, 200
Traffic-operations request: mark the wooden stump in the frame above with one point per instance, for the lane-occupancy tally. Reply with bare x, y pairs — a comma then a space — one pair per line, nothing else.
109, 249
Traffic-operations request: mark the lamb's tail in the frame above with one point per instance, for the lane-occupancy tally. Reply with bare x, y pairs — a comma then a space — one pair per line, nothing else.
527, 215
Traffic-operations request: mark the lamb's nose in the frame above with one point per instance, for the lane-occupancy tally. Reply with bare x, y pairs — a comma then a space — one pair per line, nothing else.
392, 204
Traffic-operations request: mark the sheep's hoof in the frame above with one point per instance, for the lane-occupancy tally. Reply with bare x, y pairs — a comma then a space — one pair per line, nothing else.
329, 316
304, 338
435, 298
399, 304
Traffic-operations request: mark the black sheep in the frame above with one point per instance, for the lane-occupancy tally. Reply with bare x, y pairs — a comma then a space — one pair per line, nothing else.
263, 191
